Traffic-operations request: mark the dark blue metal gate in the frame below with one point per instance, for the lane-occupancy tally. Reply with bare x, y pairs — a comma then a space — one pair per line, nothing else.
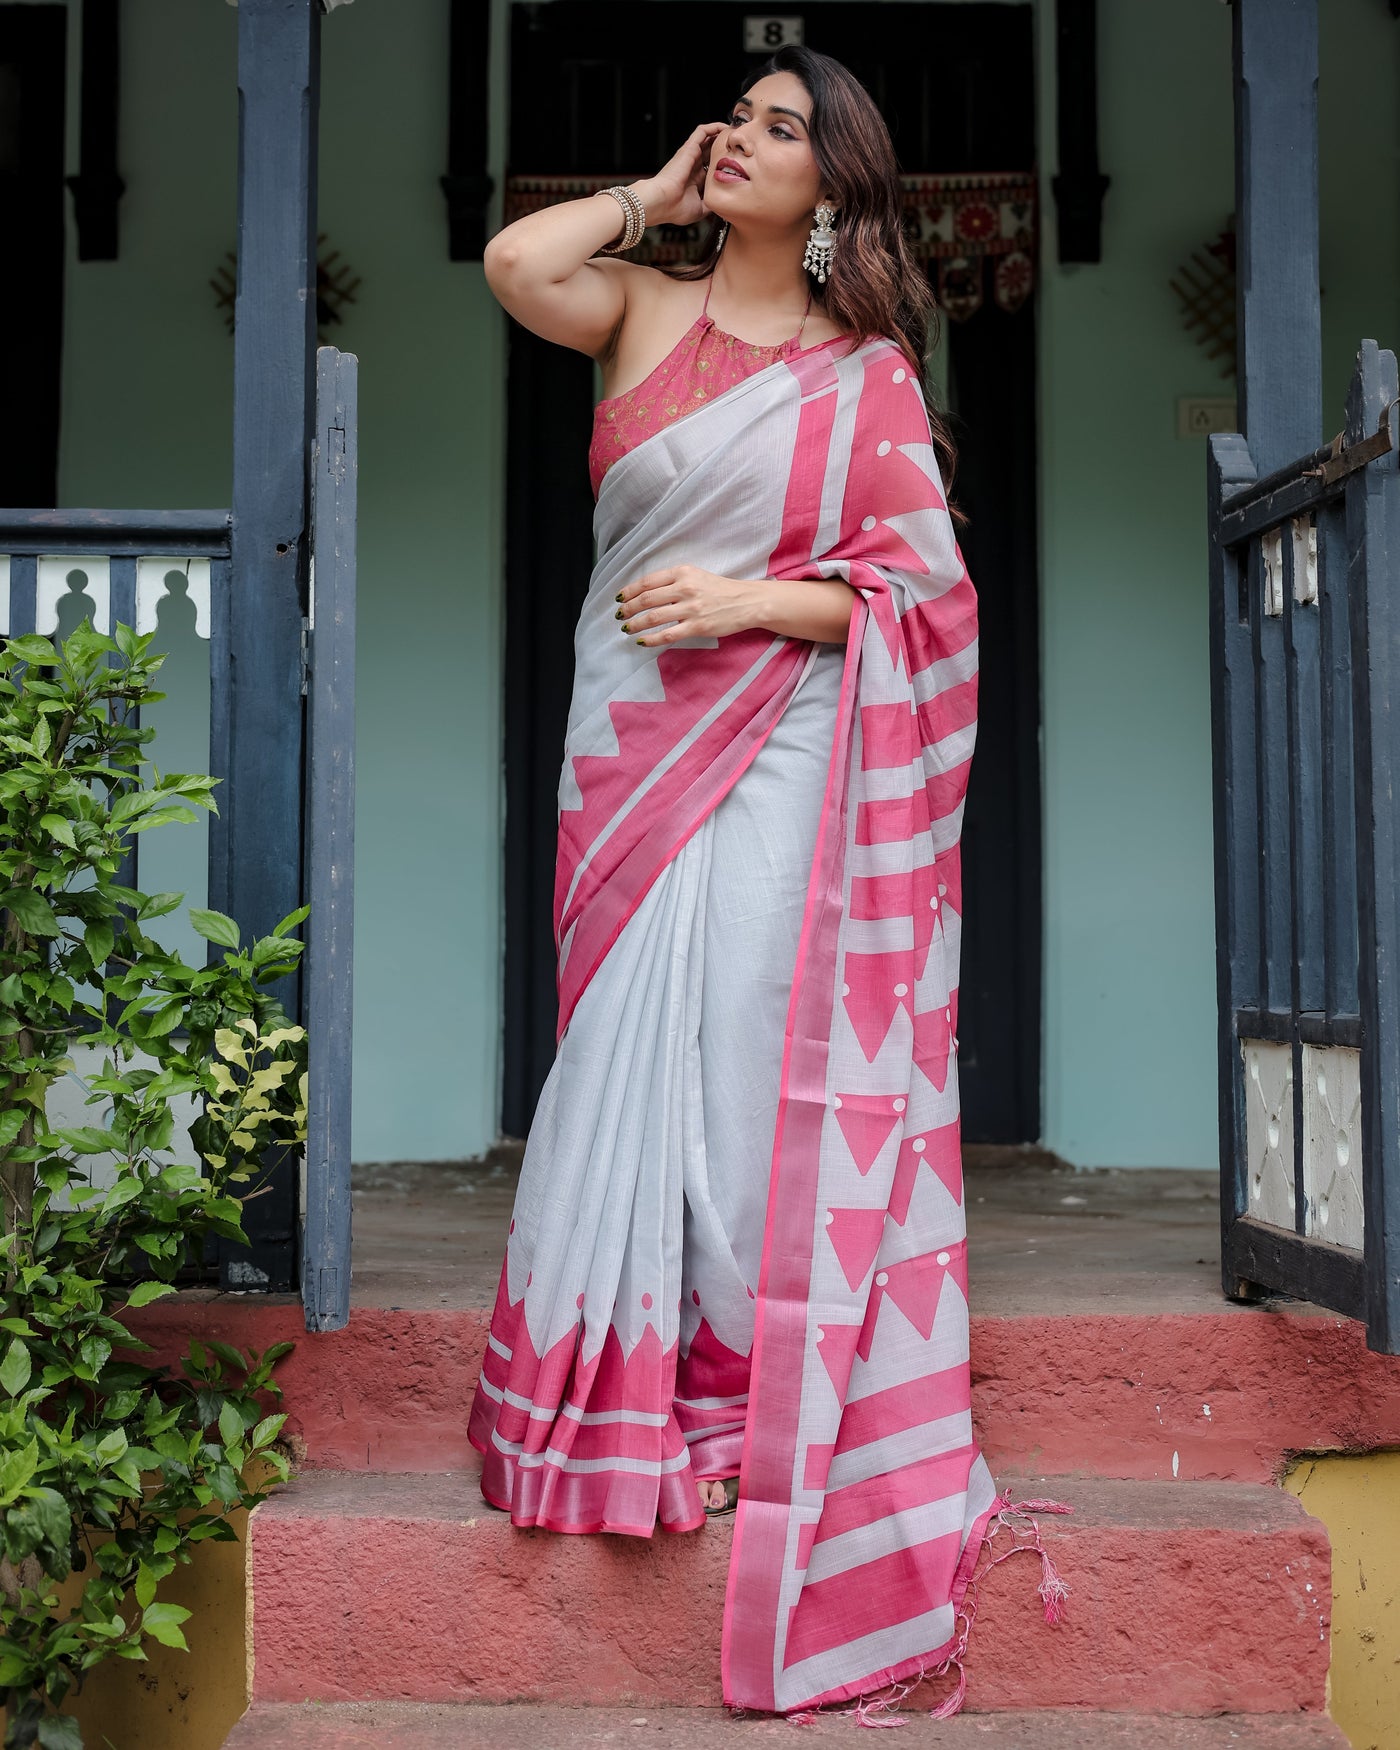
1305, 664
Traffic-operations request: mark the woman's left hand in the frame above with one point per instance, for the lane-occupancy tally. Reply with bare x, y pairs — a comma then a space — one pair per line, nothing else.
682, 601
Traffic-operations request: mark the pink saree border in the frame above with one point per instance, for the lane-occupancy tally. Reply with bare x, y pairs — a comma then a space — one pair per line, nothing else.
749, 1619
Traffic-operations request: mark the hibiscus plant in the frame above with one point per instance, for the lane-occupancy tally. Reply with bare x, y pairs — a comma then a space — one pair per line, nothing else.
112, 1469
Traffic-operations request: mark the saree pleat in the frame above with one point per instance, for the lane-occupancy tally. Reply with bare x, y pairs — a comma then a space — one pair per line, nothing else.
645, 1175
739, 1240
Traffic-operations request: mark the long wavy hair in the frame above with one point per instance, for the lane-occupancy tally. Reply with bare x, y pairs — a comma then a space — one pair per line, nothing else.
874, 287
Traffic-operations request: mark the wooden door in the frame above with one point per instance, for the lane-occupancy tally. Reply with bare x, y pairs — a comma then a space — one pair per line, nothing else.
612, 89
32, 73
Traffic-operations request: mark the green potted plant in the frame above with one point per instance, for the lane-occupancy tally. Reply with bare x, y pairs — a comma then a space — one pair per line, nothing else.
112, 1470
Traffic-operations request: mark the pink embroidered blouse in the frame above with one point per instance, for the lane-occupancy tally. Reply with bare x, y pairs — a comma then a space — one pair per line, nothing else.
702, 364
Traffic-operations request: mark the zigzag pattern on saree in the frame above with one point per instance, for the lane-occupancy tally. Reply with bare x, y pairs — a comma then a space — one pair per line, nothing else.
671, 763
580, 1445
575, 1445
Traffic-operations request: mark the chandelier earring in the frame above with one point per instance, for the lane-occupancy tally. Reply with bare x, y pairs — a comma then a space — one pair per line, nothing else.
821, 243
722, 234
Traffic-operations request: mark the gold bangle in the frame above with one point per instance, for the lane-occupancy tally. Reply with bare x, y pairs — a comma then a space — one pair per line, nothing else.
635, 225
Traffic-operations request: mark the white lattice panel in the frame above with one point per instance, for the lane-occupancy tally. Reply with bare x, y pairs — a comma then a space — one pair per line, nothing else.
74, 587
1333, 1208
1268, 1078
160, 579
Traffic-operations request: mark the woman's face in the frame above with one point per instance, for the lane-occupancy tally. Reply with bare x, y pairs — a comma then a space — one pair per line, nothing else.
768, 138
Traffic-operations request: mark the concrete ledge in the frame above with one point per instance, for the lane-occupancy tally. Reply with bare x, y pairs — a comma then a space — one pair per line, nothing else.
1223, 1394
1190, 1598
391, 1726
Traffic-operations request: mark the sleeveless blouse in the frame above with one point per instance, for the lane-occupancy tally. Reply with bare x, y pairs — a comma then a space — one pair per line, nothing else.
702, 364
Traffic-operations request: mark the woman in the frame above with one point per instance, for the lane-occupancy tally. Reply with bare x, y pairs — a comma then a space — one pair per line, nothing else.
736, 1273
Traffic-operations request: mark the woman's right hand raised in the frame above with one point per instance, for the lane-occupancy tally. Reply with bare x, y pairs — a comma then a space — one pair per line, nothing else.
672, 196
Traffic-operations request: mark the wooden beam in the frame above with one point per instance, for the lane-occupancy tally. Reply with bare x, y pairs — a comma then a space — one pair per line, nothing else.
98, 187
466, 184
330, 929
131, 533
1278, 307
1232, 715
1373, 531
256, 854
1079, 186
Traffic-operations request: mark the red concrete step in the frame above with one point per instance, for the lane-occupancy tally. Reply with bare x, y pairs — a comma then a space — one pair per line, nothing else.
1190, 1598
1221, 1394
424, 1726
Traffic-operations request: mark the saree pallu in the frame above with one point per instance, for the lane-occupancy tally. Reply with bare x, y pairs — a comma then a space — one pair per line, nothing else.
739, 1242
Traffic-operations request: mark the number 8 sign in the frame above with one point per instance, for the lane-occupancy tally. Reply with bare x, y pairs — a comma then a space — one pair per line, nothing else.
767, 31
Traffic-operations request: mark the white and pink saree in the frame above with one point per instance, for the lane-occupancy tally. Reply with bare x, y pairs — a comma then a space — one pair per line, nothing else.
739, 1242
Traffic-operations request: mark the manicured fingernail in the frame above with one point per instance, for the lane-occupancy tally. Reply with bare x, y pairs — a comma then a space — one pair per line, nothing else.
618, 615
617, 598
626, 628
641, 641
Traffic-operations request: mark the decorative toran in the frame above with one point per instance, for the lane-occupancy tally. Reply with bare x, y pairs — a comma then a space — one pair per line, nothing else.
336, 285
966, 226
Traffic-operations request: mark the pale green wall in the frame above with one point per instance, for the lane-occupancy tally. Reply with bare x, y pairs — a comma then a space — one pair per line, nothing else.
1129, 993
1129, 972
1130, 999
147, 406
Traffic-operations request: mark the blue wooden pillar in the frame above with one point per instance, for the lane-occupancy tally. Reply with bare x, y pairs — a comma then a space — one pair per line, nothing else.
256, 858
1278, 309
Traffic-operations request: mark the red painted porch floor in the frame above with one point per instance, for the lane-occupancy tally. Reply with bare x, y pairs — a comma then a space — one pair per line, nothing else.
1041, 1237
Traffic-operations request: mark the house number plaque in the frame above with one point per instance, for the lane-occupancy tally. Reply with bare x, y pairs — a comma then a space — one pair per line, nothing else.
767, 30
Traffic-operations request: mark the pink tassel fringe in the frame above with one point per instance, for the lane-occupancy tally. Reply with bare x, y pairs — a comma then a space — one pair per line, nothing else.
878, 1712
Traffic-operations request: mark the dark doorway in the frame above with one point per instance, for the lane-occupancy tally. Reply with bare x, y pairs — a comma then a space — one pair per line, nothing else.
611, 89
32, 73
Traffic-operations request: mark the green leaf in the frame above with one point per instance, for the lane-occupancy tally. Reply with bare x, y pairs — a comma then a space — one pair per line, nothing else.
146, 1583
292, 919
95, 1352
268, 1429
145, 1292
98, 939
230, 1425
162, 1623
16, 1468
214, 926
87, 1139
15, 1368
163, 817
11, 1123
226, 1486
156, 905
51, 1515
165, 1020
58, 826
32, 912
16, 1669
126, 1190
59, 1732
32, 648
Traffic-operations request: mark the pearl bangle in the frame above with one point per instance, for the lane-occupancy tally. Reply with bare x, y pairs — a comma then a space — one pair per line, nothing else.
636, 220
